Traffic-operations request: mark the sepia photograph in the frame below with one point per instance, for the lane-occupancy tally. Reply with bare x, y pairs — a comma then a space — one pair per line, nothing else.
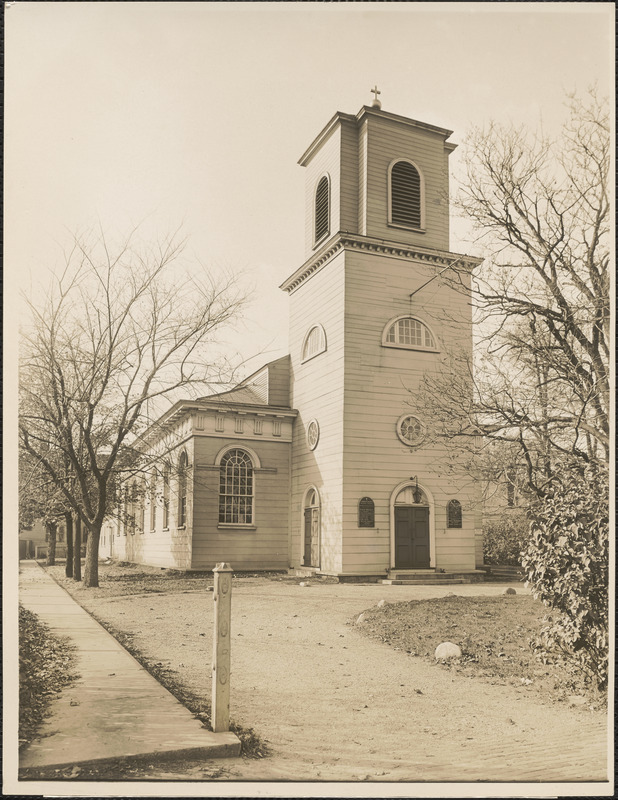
308, 399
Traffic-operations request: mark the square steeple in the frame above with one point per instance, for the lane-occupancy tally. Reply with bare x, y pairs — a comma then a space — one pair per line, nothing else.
379, 175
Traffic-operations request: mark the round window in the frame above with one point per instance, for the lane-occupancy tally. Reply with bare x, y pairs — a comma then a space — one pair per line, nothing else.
313, 434
410, 430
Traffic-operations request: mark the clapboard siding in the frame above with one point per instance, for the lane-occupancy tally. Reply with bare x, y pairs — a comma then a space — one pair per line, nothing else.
326, 161
349, 178
265, 545
279, 382
377, 380
387, 141
318, 393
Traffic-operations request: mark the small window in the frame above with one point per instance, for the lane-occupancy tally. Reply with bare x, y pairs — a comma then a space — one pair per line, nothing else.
410, 430
322, 209
405, 195
409, 333
453, 514
314, 343
182, 489
236, 488
366, 513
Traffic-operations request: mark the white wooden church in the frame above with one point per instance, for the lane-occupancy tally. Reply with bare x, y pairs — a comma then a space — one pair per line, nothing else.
318, 460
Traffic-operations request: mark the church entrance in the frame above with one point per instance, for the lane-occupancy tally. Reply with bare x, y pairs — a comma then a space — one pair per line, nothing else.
311, 553
411, 537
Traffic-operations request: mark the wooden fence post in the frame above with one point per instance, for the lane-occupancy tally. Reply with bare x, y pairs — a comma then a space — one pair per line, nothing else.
221, 648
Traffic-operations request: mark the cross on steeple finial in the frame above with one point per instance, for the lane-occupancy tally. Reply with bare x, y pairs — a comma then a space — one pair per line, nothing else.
376, 103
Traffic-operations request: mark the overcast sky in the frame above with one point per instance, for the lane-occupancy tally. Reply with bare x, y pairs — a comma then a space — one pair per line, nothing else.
196, 114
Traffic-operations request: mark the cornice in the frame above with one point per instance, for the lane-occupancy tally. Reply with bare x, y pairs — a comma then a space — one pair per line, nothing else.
350, 241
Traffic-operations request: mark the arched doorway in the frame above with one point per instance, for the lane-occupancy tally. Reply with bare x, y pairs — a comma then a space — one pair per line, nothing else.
412, 527
311, 529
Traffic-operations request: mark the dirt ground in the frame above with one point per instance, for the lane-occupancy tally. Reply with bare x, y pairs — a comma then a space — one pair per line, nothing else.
335, 705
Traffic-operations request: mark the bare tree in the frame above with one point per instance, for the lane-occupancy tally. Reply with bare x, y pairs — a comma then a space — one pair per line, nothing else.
121, 328
537, 395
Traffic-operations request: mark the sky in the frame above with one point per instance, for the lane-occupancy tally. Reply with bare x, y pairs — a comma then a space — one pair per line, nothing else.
195, 114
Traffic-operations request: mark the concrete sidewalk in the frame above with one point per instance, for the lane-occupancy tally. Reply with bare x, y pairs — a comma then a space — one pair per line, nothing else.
115, 709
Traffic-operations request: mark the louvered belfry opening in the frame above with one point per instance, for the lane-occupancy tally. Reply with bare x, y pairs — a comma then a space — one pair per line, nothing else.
321, 209
405, 195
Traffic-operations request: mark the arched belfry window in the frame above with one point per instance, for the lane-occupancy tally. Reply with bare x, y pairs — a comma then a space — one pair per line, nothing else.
408, 333
405, 195
453, 514
314, 342
236, 488
183, 462
322, 209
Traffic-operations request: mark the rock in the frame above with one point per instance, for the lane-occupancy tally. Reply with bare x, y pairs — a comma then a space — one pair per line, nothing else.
360, 619
510, 590
446, 651
382, 603
576, 700
302, 583
210, 588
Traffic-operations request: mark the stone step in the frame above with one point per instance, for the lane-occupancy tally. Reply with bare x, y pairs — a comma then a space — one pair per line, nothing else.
424, 581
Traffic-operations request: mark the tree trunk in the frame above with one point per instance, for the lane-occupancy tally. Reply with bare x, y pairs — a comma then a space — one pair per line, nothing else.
91, 567
77, 549
51, 549
68, 519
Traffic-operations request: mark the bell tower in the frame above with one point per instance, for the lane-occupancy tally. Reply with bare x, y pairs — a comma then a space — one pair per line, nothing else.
369, 316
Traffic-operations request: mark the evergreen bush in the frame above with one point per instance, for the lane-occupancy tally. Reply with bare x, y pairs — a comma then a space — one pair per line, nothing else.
566, 564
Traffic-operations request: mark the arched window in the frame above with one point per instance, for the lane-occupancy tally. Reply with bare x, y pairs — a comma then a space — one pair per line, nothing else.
405, 195
453, 514
322, 209
236, 488
141, 505
166, 496
182, 489
314, 343
408, 333
153, 500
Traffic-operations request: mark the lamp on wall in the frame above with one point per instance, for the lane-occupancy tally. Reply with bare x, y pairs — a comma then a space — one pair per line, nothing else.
416, 492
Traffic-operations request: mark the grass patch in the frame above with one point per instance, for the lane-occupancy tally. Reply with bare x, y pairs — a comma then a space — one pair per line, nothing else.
45, 667
494, 634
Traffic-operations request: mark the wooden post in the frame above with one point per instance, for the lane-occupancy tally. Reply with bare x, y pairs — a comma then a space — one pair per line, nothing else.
221, 648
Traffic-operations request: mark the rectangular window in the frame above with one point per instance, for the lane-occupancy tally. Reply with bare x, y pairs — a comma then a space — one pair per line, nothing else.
239, 425
257, 426
276, 427
219, 426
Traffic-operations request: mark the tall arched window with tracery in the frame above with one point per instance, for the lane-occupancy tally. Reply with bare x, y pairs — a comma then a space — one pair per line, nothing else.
236, 488
182, 489
166, 495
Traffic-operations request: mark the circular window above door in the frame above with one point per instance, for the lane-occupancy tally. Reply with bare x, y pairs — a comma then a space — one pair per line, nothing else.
410, 430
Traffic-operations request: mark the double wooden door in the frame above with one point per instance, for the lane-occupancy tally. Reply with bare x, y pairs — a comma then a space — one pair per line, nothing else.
411, 537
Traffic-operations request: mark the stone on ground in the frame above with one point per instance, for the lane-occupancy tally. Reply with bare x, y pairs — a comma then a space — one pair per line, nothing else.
510, 590
447, 650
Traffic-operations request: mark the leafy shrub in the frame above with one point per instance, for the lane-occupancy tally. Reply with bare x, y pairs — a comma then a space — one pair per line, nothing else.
567, 568
505, 539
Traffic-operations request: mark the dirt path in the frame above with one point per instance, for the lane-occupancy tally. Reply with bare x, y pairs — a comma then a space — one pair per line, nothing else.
335, 705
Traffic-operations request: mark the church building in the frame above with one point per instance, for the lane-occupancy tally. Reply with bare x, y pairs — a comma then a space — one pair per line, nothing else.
319, 460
